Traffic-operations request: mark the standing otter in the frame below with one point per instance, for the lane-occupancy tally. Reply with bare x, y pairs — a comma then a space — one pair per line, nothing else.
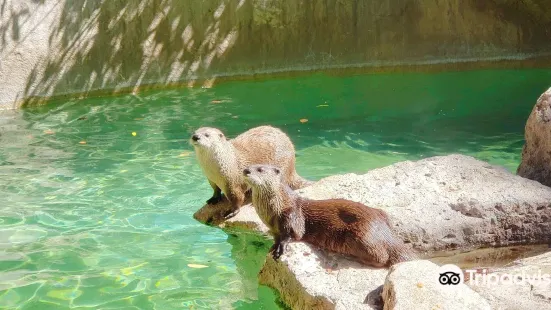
337, 225
223, 160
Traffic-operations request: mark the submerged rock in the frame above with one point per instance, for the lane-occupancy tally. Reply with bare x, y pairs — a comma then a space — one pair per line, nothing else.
415, 285
536, 153
435, 204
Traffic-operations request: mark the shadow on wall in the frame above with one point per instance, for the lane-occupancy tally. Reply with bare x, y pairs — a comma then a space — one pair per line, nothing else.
122, 44
118, 44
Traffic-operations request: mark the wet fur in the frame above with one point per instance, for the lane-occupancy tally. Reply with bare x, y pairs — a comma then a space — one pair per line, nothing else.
338, 225
224, 160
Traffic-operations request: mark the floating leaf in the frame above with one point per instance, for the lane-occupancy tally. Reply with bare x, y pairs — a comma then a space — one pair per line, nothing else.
303, 120
216, 101
196, 266
134, 133
130, 270
82, 142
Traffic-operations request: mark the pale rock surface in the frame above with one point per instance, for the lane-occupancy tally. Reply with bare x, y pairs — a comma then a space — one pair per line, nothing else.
449, 202
307, 278
526, 292
415, 285
436, 204
536, 153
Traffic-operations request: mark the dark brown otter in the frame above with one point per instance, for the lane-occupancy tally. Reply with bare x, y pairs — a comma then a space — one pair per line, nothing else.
337, 225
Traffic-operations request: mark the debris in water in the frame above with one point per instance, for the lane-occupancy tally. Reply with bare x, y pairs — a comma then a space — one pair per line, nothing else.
216, 101
82, 142
134, 133
49, 132
323, 105
303, 120
196, 266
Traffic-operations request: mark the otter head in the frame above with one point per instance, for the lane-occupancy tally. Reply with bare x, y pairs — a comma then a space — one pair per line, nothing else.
262, 176
207, 137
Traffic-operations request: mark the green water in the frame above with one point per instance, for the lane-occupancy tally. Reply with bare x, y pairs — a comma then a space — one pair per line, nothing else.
108, 224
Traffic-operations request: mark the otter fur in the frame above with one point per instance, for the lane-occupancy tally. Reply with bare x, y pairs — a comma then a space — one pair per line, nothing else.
223, 160
337, 225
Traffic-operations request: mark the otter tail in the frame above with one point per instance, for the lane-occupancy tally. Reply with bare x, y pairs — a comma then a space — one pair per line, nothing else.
389, 245
298, 182
401, 253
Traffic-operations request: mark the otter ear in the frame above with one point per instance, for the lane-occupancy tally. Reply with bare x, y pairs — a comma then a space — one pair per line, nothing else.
276, 170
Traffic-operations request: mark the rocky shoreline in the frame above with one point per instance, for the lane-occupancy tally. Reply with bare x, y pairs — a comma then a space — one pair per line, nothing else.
437, 204
441, 203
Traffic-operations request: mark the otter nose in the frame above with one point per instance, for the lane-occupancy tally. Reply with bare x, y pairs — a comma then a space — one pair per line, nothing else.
195, 137
246, 172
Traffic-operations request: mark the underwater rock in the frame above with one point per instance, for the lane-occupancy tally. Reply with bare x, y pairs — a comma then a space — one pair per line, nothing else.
526, 285
415, 285
436, 204
536, 153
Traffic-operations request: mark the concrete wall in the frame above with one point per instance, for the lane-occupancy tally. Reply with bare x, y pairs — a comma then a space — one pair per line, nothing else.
56, 47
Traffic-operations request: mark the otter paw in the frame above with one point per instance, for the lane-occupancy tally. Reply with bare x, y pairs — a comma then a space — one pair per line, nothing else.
231, 214
276, 251
214, 200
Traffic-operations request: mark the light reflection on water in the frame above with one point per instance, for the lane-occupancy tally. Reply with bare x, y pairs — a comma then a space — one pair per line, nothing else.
93, 216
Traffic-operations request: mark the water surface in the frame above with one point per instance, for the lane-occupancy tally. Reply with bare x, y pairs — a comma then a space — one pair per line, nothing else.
97, 195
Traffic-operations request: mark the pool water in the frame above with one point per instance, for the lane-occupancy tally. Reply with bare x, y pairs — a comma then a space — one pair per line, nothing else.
97, 195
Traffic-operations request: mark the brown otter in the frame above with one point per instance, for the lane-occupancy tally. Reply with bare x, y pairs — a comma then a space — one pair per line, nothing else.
223, 160
337, 225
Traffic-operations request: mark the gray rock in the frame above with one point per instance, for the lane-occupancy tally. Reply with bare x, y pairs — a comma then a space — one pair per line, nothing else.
307, 278
415, 285
449, 202
536, 153
525, 292
436, 204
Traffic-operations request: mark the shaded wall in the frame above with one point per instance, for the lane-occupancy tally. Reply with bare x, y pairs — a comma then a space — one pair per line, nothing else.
56, 47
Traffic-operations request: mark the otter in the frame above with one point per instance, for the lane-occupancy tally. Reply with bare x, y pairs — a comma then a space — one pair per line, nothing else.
223, 160
337, 225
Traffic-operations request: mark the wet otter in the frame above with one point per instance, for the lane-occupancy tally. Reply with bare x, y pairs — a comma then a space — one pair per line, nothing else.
223, 160
337, 225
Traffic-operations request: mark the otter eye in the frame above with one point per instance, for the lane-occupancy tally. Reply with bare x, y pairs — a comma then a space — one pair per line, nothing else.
276, 170
259, 169
207, 135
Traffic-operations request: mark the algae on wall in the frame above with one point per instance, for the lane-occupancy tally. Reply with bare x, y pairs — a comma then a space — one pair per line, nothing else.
52, 47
